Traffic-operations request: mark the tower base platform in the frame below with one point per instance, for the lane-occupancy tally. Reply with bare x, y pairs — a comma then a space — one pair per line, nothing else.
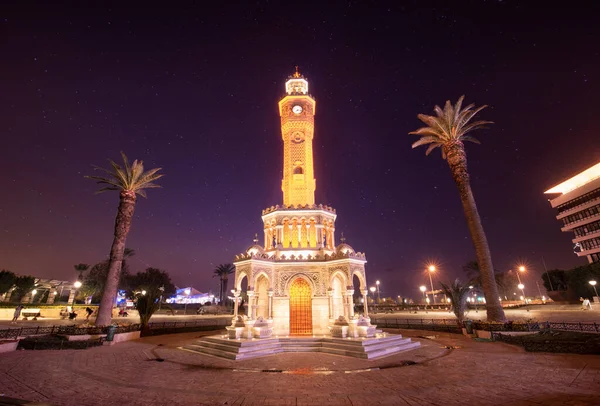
382, 345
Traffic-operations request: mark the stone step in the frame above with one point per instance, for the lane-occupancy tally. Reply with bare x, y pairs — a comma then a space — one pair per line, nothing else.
369, 348
392, 350
226, 346
231, 354
240, 343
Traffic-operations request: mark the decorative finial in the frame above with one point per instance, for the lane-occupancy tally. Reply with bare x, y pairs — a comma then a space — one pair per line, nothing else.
255, 239
343, 239
297, 73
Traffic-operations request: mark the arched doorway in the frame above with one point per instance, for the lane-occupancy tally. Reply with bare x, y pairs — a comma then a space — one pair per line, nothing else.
300, 308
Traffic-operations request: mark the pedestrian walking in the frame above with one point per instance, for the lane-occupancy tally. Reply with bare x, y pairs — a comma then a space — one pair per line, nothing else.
17, 313
89, 312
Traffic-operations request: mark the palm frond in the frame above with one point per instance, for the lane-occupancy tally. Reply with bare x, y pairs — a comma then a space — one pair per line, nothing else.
449, 125
129, 177
428, 139
432, 147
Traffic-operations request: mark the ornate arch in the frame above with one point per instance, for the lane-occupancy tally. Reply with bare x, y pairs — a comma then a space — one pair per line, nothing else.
342, 274
240, 277
314, 288
360, 274
257, 277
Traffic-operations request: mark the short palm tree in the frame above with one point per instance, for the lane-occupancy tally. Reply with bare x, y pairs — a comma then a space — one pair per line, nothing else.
448, 130
223, 271
458, 295
128, 180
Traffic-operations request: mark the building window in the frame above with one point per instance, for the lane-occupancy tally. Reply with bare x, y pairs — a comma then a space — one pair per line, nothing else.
298, 170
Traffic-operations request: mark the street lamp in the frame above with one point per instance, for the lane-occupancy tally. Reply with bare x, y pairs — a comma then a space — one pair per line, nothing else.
522, 287
77, 284
378, 293
431, 270
187, 293
593, 283
143, 293
372, 289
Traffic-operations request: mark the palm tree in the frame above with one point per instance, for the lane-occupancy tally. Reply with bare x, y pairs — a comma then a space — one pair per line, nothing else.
223, 271
128, 180
458, 295
449, 130
81, 268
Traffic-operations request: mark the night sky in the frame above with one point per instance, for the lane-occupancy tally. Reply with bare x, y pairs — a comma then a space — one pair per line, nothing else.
195, 91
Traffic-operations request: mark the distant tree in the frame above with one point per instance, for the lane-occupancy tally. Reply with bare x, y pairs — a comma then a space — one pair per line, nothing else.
458, 294
223, 271
579, 277
7, 281
93, 283
555, 279
505, 281
150, 281
23, 285
449, 130
129, 181
81, 268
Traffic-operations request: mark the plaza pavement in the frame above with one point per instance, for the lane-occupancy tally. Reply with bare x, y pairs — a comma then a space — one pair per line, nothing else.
447, 370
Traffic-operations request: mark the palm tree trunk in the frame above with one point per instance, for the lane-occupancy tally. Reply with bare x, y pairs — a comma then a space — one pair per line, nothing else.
122, 226
224, 294
457, 160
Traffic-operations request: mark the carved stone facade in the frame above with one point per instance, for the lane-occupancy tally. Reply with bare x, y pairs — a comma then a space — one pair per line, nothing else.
299, 271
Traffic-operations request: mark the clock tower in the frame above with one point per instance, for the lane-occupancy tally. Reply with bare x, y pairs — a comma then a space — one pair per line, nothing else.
297, 112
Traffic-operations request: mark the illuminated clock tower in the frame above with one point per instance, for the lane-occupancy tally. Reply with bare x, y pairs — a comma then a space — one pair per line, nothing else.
297, 112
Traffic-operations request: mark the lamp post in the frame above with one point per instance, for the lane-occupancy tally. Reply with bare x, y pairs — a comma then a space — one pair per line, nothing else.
522, 287
378, 293
431, 270
593, 283
187, 294
33, 293
423, 289
372, 289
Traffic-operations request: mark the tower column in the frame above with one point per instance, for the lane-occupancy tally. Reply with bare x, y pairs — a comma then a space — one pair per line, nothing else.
364, 293
270, 293
251, 306
350, 302
236, 294
330, 302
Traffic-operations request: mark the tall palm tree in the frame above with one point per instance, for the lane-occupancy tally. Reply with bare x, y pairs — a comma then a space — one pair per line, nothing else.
128, 180
449, 130
223, 271
81, 268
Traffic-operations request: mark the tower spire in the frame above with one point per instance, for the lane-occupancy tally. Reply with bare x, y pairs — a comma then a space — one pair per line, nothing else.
297, 73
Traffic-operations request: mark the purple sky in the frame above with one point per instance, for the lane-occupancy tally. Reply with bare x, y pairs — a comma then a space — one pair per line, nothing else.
195, 91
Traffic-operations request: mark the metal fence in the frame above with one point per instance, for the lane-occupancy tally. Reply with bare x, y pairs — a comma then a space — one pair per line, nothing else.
447, 325
167, 327
450, 325
14, 333
538, 326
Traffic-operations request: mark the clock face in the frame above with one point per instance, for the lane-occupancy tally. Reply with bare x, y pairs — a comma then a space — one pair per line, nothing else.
297, 137
297, 109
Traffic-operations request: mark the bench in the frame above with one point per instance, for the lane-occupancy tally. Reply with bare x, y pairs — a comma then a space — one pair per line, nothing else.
35, 313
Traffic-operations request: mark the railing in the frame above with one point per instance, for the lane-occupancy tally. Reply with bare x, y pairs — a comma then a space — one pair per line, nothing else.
14, 333
447, 325
538, 326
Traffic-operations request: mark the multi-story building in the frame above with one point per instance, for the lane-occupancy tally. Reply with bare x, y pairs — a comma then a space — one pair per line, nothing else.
578, 208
